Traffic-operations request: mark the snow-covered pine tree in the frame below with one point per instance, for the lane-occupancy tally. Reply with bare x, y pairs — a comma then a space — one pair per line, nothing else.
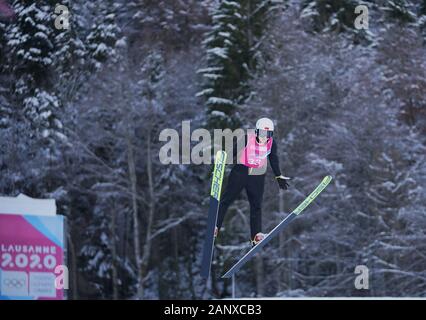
5, 109
152, 75
326, 15
423, 7
48, 63
394, 180
400, 10
335, 16
421, 22
71, 72
401, 55
2, 38
175, 23
102, 39
30, 38
101, 258
233, 47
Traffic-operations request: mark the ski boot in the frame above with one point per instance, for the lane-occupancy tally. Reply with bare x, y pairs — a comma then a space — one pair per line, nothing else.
257, 238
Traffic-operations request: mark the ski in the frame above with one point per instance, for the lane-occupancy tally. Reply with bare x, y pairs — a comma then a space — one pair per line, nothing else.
219, 169
279, 227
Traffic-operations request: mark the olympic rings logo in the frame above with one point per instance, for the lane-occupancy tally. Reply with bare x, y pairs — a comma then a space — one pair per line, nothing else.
14, 283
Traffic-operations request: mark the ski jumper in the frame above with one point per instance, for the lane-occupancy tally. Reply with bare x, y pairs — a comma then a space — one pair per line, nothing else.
253, 156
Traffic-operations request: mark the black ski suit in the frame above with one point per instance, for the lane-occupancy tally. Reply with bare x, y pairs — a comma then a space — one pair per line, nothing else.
240, 179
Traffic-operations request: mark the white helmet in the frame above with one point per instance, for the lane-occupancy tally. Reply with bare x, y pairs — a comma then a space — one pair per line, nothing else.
265, 124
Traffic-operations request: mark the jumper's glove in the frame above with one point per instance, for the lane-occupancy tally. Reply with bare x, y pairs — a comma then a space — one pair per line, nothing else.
282, 181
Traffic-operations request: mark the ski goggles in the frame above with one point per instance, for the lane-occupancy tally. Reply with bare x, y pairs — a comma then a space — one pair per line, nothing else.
264, 133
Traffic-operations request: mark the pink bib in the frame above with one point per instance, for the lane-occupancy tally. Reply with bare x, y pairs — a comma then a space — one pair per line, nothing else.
254, 154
